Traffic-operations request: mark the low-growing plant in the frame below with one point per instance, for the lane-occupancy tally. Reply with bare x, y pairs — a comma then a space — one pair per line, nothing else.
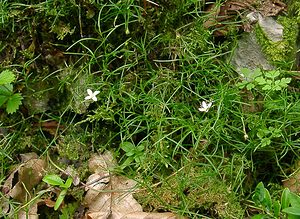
133, 153
55, 180
268, 81
11, 100
288, 205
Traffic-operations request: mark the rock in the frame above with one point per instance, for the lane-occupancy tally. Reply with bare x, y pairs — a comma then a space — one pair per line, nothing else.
269, 45
271, 28
248, 54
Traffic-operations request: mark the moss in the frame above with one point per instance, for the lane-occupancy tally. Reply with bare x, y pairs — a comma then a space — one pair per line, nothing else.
196, 188
281, 53
71, 147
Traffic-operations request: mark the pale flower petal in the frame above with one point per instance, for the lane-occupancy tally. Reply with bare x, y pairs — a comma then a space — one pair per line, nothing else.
92, 95
87, 97
90, 92
94, 98
205, 106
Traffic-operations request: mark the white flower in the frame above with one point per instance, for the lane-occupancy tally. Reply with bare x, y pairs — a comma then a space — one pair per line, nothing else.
91, 95
205, 106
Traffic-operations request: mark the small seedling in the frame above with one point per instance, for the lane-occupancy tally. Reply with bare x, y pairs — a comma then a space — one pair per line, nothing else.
289, 204
267, 134
7, 96
133, 153
55, 180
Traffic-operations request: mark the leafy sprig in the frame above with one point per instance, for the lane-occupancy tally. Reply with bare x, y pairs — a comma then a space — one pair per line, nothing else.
7, 96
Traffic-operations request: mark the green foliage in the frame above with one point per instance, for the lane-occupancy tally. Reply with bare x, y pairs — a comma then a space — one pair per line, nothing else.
7, 96
153, 66
265, 81
288, 205
68, 211
55, 180
133, 153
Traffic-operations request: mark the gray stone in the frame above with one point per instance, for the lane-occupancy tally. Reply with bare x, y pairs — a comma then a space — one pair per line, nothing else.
248, 54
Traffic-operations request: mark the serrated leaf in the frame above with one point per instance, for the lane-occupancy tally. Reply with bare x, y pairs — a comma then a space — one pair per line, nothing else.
241, 85
267, 87
284, 82
272, 74
3, 99
13, 103
6, 77
6, 90
257, 72
53, 180
246, 72
265, 142
140, 147
260, 80
250, 86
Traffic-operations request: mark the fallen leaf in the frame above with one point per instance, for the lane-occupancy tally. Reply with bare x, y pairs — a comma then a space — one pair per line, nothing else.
24, 178
31, 213
293, 182
110, 196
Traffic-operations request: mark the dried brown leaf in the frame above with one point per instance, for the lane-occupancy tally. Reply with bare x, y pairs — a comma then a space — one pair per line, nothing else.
24, 178
110, 196
30, 214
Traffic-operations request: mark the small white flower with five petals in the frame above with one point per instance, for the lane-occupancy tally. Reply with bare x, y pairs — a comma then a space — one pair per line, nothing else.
205, 106
91, 95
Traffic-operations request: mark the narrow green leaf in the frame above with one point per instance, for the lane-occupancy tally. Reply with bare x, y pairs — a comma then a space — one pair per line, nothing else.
285, 198
53, 180
267, 202
13, 103
276, 207
259, 194
7, 77
68, 183
60, 199
127, 162
292, 211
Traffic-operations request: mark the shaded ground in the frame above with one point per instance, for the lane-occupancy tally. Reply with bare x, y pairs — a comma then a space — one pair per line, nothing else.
157, 66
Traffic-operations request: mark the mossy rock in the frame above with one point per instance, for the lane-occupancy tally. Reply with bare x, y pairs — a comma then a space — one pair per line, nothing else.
281, 53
